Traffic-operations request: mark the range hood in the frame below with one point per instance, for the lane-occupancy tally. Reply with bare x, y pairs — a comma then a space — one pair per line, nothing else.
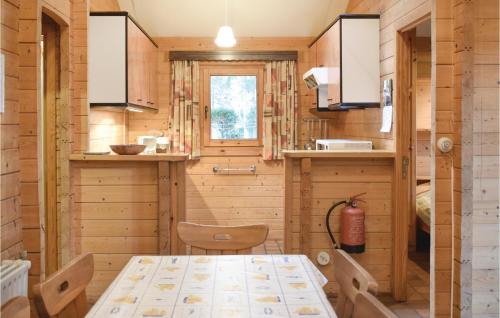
316, 77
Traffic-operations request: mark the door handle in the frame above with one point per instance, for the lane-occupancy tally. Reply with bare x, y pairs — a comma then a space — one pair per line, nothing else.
206, 112
406, 164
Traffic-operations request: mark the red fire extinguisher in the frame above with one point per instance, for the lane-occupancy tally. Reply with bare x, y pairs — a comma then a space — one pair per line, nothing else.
352, 225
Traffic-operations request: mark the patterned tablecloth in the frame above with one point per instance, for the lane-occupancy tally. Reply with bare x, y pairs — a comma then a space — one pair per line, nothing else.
216, 286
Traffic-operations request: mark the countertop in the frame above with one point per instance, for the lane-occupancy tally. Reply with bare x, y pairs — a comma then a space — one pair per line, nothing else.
113, 157
339, 154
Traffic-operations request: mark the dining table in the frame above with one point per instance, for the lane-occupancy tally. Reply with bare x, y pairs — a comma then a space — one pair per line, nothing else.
204, 286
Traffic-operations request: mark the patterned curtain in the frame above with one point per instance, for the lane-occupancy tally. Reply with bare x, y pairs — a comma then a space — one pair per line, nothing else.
280, 108
184, 120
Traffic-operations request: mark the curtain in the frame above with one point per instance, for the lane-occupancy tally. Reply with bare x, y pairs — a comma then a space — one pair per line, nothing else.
280, 108
184, 120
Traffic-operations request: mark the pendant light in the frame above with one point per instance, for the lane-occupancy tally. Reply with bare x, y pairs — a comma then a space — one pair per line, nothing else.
225, 36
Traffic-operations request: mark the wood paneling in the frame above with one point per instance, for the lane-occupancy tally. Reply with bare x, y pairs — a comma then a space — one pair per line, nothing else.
106, 127
226, 199
145, 123
398, 14
29, 27
79, 102
122, 208
477, 27
107, 201
423, 82
104, 5
69, 14
312, 188
442, 185
423, 158
142, 77
365, 124
11, 240
236, 199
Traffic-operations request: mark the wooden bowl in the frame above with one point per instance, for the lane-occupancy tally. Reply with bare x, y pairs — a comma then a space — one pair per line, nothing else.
132, 149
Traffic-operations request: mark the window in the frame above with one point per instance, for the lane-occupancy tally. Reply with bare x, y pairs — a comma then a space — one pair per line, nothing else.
232, 105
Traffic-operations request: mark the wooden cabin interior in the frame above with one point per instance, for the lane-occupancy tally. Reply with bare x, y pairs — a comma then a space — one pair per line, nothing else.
250, 158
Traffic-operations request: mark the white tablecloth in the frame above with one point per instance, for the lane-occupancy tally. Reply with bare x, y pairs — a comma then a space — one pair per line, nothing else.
216, 286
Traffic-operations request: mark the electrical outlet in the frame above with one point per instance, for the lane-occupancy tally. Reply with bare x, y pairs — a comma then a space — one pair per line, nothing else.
323, 258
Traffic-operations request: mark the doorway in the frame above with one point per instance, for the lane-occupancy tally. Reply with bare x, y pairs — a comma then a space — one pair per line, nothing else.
50, 88
413, 172
421, 196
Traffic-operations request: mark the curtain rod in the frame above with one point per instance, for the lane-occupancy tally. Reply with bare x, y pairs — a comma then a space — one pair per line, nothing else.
233, 55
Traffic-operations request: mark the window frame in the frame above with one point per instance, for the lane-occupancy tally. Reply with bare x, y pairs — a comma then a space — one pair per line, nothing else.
228, 69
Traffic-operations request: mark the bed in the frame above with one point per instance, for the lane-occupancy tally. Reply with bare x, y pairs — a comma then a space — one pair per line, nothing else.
423, 215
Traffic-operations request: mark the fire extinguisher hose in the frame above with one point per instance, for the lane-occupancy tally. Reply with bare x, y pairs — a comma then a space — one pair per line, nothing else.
327, 221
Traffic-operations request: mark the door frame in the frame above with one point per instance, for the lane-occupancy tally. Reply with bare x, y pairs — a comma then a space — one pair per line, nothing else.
404, 136
55, 234
50, 73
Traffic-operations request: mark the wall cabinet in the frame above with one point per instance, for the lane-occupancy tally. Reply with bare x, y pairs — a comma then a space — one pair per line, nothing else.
349, 48
122, 62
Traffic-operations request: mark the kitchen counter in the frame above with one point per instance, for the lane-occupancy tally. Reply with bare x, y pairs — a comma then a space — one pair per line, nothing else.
113, 157
127, 204
339, 154
314, 179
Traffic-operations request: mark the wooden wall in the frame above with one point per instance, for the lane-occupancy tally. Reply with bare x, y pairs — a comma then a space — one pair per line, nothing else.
477, 75
104, 5
142, 123
107, 128
444, 124
30, 28
230, 199
365, 124
78, 89
10, 210
69, 15
423, 83
333, 180
423, 105
463, 99
397, 13
423, 158
115, 209
239, 198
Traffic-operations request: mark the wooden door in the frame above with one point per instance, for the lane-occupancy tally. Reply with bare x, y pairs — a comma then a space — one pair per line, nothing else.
333, 60
322, 51
313, 62
403, 173
152, 75
144, 66
328, 55
51, 97
135, 65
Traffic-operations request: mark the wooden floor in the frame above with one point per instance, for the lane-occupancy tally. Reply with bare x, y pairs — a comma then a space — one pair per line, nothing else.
417, 305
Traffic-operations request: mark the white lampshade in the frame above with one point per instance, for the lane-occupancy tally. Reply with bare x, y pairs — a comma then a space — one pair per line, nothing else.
225, 37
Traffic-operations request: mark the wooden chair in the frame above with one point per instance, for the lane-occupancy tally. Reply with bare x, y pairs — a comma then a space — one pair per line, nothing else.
63, 293
352, 279
17, 307
366, 305
217, 240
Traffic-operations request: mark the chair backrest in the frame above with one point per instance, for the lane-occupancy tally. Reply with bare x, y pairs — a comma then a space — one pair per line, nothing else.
217, 240
63, 293
352, 279
17, 307
366, 305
